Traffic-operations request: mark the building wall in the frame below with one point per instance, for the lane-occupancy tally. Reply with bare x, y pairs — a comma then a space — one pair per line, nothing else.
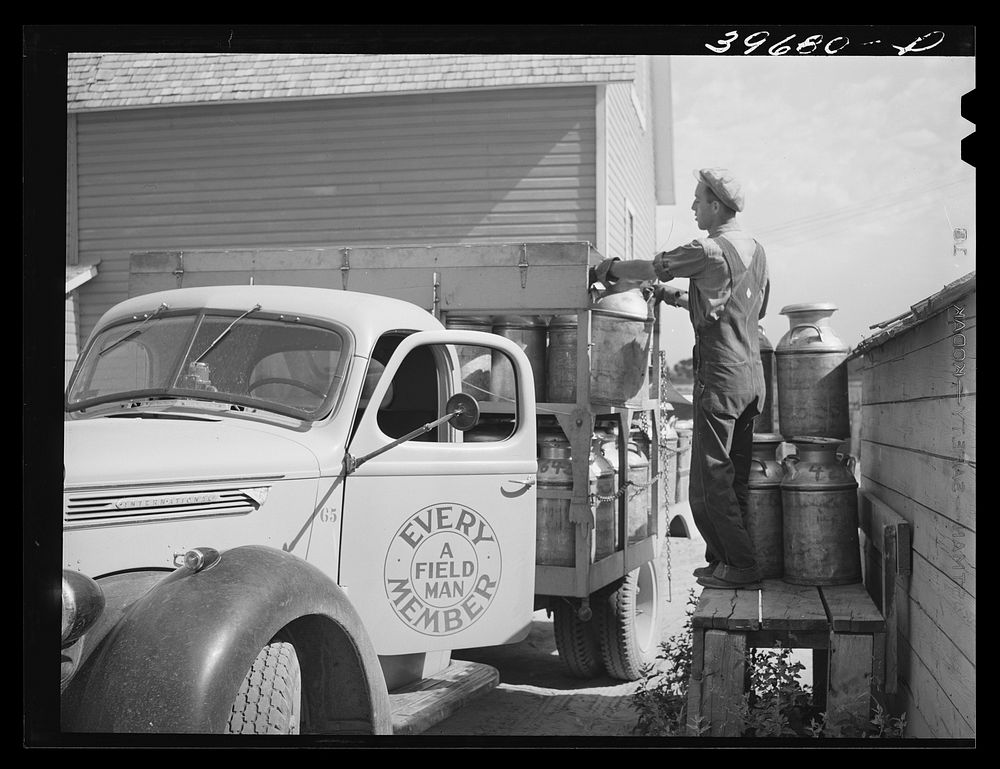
630, 169
918, 449
72, 345
469, 167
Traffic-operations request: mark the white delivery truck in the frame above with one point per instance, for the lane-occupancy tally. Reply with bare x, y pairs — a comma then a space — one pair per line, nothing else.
274, 514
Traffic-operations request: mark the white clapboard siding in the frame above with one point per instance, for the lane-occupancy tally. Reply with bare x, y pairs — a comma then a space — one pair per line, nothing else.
630, 173
471, 167
918, 456
71, 345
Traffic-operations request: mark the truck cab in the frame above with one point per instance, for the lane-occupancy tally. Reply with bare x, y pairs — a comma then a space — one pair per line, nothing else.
268, 498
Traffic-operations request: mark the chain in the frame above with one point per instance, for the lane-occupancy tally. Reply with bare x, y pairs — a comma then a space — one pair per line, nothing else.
640, 487
670, 582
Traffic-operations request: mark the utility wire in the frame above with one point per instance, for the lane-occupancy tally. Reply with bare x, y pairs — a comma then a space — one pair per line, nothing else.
850, 212
819, 230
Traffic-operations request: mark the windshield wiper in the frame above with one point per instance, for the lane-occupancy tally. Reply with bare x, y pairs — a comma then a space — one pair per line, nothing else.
226, 331
134, 332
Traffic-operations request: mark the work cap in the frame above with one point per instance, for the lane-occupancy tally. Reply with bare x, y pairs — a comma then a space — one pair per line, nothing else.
725, 186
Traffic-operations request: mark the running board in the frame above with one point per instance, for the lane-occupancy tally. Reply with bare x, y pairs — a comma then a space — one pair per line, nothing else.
418, 706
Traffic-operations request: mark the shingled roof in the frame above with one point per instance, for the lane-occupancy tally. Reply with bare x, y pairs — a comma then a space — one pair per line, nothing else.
103, 81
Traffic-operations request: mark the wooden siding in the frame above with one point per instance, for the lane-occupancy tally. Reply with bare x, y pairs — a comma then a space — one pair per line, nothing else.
471, 167
72, 345
918, 456
629, 174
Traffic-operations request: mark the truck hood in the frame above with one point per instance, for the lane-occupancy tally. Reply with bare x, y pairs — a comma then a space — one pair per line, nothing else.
112, 450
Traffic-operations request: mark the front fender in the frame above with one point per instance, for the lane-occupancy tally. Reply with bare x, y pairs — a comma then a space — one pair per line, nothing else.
175, 659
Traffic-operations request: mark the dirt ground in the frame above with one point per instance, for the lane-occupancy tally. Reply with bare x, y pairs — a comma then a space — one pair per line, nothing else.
537, 698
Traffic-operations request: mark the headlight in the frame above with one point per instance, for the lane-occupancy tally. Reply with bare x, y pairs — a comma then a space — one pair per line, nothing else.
82, 604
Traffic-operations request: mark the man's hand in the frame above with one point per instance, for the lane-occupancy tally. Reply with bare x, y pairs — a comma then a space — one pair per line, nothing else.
670, 295
600, 273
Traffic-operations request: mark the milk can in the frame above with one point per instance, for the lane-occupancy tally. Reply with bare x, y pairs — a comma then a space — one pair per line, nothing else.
555, 533
621, 330
603, 487
765, 422
641, 515
560, 363
637, 494
819, 502
530, 334
812, 374
475, 361
764, 518
620, 334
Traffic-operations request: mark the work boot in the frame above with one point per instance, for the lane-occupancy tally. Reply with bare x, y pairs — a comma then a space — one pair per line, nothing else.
725, 584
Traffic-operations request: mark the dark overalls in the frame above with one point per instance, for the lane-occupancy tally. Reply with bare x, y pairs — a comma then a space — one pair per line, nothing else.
728, 392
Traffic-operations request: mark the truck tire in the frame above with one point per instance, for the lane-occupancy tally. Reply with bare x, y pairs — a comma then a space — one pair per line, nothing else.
628, 620
577, 642
269, 699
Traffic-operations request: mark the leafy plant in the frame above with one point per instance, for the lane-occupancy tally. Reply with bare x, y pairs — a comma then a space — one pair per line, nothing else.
776, 703
661, 698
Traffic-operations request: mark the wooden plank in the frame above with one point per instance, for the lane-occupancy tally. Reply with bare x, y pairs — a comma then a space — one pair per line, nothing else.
916, 725
940, 426
930, 374
420, 705
890, 651
949, 606
949, 545
926, 645
926, 701
946, 486
871, 562
878, 686
72, 193
792, 607
788, 639
923, 361
851, 610
726, 609
468, 278
848, 698
695, 719
883, 524
723, 673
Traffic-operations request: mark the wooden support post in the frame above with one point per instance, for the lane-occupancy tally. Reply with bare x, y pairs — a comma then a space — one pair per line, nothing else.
723, 672
695, 720
888, 550
848, 698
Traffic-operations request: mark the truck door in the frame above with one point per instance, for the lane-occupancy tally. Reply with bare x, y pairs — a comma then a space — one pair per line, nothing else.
438, 538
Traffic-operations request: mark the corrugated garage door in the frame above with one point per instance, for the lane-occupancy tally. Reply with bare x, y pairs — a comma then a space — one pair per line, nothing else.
473, 167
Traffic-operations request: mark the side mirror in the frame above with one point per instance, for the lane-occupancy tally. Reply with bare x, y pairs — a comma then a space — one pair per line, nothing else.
463, 410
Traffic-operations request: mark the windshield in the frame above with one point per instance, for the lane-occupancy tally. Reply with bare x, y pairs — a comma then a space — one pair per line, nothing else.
288, 366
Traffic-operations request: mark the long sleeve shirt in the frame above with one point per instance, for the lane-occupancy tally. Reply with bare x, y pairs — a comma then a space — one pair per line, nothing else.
702, 261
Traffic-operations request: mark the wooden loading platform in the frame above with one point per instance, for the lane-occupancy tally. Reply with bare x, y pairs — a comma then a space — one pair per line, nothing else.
840, 624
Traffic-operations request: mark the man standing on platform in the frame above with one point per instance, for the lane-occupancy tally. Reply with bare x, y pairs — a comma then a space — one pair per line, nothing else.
727, 297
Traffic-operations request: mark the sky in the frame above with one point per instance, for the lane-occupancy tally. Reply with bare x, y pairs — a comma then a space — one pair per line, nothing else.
853, 174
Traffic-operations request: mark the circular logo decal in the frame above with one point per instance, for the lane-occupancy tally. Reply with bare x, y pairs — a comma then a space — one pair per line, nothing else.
442, 569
